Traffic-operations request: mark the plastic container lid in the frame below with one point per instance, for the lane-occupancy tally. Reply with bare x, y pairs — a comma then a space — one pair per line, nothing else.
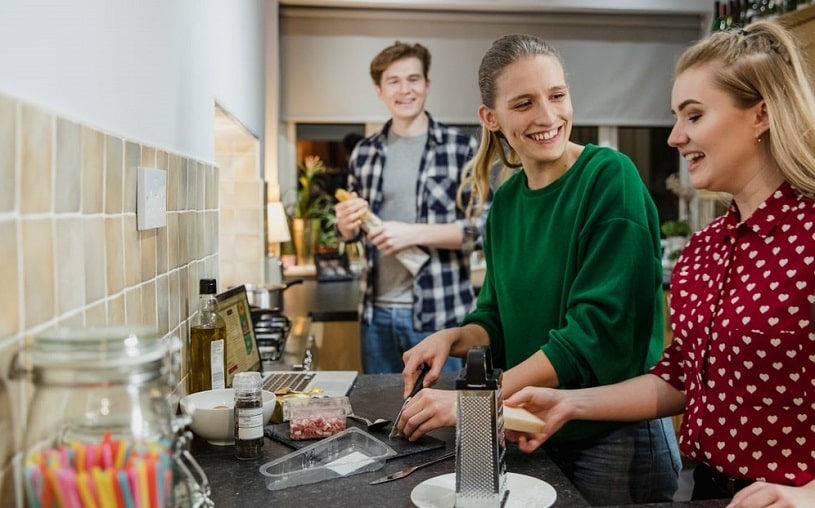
349, 452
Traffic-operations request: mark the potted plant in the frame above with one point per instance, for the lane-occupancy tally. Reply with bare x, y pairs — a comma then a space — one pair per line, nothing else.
313, 210
676, 233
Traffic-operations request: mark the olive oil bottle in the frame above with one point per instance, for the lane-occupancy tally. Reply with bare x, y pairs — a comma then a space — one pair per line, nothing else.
207, 342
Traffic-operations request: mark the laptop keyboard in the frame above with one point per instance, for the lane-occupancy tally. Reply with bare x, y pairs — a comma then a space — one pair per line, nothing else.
296, 381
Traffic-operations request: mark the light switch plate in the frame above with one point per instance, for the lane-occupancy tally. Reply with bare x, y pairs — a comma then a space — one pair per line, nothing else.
151, 199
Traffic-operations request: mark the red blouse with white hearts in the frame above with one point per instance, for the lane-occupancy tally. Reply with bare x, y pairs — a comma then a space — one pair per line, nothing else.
743, 349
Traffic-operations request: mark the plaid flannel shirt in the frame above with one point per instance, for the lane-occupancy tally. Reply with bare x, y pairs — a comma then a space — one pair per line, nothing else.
442, 291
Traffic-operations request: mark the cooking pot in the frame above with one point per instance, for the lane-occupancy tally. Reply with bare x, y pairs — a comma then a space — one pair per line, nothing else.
268, 296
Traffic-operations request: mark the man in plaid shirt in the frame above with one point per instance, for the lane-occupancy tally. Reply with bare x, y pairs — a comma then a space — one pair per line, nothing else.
424, 162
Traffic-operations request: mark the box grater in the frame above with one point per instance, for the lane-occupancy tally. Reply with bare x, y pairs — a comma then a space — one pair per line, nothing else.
480, 444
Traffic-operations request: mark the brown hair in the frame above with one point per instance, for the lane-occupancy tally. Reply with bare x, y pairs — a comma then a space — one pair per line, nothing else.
398, 51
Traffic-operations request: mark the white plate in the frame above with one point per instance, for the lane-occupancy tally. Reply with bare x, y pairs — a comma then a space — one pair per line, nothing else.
524, 491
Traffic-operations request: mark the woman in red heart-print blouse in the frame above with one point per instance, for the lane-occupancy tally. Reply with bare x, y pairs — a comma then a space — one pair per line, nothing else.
742, 363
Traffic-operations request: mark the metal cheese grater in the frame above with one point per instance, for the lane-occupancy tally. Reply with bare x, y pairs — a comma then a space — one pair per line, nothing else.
480, 445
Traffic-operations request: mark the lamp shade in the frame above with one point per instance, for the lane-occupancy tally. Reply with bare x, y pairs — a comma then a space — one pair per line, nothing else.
278, 226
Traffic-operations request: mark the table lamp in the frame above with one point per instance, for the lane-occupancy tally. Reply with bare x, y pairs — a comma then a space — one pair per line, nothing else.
277, 232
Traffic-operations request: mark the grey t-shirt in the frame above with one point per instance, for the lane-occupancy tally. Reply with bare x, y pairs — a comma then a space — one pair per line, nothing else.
394, 284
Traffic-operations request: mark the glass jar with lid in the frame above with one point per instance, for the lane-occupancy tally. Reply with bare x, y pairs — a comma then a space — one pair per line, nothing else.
100, 427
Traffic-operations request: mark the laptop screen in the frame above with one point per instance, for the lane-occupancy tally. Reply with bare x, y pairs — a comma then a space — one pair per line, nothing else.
241, 347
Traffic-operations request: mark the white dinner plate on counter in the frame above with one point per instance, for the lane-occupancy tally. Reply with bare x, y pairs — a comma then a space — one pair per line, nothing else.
524, 491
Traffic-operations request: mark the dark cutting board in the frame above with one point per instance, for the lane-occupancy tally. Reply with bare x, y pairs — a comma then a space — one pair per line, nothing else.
280, 432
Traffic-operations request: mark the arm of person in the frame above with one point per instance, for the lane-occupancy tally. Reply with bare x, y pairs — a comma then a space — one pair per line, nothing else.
762, 494
640, 398
393, 236
435, 349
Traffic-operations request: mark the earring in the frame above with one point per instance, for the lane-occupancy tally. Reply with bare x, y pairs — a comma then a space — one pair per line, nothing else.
758, 139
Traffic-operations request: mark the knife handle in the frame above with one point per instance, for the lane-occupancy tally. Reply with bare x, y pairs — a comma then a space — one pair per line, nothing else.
419, 381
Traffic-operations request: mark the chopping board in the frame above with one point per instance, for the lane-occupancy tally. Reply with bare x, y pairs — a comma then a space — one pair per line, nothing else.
280, 433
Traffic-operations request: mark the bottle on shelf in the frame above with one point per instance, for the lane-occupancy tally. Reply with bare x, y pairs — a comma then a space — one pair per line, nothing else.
714, 25
207, 342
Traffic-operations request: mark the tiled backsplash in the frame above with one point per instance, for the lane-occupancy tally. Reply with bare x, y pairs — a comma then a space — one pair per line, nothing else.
70, 253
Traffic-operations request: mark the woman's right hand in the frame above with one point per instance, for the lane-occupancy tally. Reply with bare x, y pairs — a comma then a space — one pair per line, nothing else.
433, 351
552, 406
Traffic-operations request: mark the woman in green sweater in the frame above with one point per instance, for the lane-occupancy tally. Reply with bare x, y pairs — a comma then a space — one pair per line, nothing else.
573, 291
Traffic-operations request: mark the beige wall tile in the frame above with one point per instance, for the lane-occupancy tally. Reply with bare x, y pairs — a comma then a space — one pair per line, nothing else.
173, 241
114, 174
116, 310
9, 273
38, 270
191, 183
8, 152
96, 314
148, 303
182, 185
147, 250
132, 253
71, 264
36, 177
162, 256
174, 305
148, 156
246, 166
163, 304
93, 165
132, 162
133, 309
162, 160
94, 253
67, 166
114, 255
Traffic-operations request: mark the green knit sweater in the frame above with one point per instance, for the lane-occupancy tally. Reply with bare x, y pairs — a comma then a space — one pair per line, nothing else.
573, 269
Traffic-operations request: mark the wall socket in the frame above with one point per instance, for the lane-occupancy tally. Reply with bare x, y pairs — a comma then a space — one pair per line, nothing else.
151, 199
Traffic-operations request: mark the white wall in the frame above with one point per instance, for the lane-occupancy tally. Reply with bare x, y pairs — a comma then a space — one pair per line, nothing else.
619, 67
149, 70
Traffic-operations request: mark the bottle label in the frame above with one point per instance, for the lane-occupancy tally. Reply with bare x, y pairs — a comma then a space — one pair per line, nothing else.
216, 360
250, 423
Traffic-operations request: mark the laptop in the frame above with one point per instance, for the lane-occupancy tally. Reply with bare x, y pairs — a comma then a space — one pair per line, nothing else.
243, 354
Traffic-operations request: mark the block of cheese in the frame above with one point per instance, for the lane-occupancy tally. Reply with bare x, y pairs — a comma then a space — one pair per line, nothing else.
521, 420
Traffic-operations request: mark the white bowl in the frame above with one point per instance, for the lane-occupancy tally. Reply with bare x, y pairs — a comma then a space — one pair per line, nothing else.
213, 417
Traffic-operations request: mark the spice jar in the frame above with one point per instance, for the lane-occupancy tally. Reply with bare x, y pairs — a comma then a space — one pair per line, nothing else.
101, 431
248, 415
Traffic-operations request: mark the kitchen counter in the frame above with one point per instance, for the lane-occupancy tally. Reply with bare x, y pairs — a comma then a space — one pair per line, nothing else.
237, 483
322, 301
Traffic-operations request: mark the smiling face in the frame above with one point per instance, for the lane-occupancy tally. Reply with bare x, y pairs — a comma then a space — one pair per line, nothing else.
404, 88
533, 110
716, 138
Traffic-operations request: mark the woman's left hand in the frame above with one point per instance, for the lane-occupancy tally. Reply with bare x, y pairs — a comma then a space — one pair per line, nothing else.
764, 495
427, 410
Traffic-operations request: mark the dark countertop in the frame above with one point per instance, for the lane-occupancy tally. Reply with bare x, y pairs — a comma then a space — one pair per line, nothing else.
237, 483
322, 301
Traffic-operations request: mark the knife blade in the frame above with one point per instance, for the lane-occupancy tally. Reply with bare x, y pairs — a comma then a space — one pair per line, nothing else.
401, 474
416, 387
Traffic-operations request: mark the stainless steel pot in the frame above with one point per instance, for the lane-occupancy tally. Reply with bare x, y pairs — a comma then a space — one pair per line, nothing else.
268, 296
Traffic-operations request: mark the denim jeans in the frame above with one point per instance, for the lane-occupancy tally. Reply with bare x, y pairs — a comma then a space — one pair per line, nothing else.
636, 463
389, 335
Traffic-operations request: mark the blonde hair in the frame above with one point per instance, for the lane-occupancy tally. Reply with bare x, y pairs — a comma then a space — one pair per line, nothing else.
763, 62
493, 147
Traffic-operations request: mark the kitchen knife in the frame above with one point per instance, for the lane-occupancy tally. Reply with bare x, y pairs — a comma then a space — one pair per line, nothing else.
416, 387
401, 474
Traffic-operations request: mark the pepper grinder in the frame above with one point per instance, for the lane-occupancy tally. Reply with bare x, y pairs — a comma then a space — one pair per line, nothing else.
480, 442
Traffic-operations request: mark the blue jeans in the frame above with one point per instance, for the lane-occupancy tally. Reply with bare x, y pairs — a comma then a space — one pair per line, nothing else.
389, 335
636, 463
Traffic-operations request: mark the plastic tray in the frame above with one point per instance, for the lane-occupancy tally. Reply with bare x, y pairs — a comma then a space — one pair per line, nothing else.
346, 453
